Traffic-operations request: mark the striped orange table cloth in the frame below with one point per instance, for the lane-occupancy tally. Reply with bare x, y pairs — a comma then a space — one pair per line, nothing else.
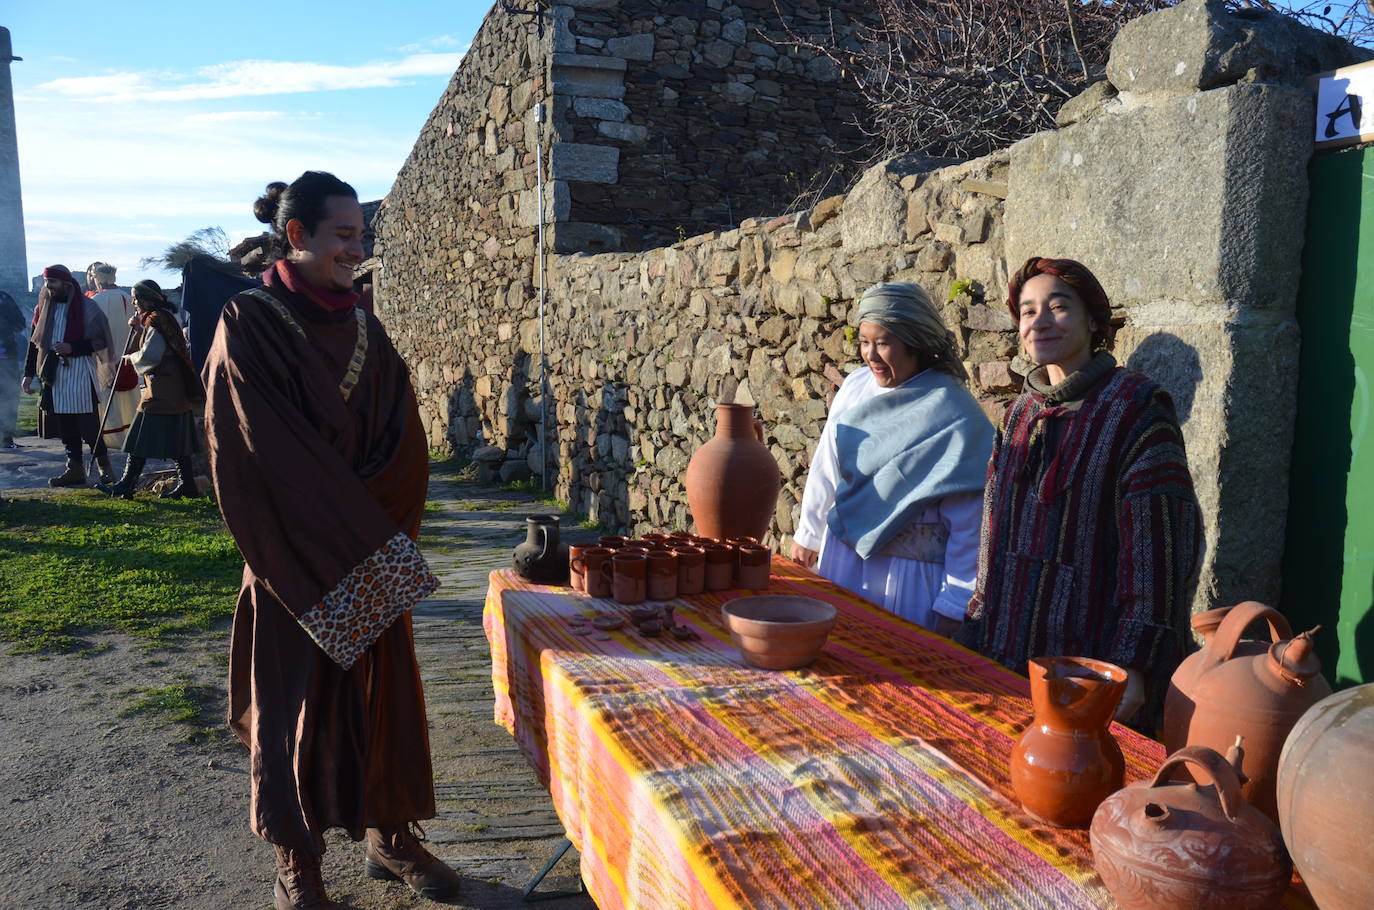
875, 778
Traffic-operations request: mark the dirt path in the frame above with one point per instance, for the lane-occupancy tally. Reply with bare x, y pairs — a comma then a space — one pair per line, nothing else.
123, 813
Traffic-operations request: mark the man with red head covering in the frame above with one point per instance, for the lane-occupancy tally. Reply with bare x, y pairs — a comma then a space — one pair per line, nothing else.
1092, 535
69, 356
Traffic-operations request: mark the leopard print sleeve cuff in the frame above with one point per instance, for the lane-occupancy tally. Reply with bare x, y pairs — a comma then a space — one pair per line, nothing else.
368, 599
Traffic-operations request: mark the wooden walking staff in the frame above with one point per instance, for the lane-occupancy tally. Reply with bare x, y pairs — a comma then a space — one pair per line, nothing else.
109, 400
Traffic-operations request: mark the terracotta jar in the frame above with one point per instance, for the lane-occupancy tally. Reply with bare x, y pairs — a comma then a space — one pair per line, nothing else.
1162, 846
662, 579
691, 569
1178, 703
732, 481
627, 572
1254, 690
588, 563
1066, 762
542, 558
1325, 801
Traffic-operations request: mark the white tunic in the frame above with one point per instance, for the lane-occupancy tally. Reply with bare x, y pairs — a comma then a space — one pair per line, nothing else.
912, 589
117, 306
73, 386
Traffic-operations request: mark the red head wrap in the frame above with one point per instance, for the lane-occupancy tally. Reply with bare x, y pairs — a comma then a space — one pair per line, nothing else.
1075, 275
76, 322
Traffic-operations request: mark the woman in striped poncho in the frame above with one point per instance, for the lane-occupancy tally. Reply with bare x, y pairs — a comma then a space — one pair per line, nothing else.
1091, 536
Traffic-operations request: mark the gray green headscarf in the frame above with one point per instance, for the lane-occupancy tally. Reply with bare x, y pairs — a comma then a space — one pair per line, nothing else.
905, 310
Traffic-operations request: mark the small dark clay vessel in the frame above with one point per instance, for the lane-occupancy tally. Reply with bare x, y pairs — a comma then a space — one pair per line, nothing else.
1165, 846
1067, 761
542, 558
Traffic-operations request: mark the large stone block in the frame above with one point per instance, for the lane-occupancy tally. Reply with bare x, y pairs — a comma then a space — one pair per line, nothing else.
1200, 198
557, 204
639, 48
600, 108
1200, 44
1235, 394
583, 162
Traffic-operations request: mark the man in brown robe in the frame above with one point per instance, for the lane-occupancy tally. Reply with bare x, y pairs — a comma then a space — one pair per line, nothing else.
320, 467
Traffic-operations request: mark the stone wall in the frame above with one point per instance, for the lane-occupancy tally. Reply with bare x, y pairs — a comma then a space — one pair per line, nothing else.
680, 117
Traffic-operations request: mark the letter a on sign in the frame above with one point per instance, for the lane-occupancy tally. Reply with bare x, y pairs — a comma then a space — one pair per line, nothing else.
1341, 97
1350, 107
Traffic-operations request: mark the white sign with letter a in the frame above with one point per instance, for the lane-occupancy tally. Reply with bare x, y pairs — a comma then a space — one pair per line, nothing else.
1345, 106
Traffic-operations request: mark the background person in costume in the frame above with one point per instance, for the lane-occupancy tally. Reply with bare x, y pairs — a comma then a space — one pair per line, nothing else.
118, 308
321, 468
11, 364
69, 360
165, 424
895, 490
1092, 534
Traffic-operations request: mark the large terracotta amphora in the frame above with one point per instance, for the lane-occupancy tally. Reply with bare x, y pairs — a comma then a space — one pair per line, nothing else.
1066, 762
1166, 846
732, 481
1326, 799
542, 558
1248, 689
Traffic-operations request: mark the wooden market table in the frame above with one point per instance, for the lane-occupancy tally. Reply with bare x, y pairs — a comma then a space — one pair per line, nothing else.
875, 778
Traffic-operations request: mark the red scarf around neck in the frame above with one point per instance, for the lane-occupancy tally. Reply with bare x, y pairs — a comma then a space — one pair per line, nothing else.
284, 273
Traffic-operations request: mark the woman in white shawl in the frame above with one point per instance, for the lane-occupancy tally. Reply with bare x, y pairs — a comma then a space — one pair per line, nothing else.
894, 497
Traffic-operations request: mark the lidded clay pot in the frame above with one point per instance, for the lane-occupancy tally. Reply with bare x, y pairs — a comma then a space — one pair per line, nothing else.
1066, 762
1325, 801
733, 481
1246, 689
542, 558
1166, 846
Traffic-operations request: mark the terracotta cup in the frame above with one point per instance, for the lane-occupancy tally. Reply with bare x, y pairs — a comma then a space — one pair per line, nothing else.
576, 567
611, 542
662, 583
654, 537
594, 582
691, 569
643, 544
679, 536
720, 567
753, 569
626, 573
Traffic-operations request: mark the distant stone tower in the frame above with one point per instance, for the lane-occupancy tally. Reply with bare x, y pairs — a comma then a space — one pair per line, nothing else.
14, 268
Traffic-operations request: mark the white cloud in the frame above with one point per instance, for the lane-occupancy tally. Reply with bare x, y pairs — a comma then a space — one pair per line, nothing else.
440, 42
250, 77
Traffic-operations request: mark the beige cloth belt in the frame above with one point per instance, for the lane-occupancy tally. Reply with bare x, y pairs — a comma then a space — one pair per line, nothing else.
923, 542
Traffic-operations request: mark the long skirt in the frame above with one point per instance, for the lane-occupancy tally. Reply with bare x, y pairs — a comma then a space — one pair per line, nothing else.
163, 435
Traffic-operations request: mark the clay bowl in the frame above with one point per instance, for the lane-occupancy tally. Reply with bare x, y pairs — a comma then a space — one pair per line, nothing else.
778, 631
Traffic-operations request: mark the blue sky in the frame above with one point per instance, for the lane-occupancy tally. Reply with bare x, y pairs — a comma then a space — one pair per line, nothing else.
140, 123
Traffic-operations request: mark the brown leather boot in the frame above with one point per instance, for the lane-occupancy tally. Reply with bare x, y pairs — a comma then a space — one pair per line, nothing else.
395, 853
299, 883
74, 476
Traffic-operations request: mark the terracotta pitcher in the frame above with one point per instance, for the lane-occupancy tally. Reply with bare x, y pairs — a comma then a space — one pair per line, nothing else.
1326, 803
1162, 846
1250, 689
542, 558
1178, 703
1066, 762
733, 481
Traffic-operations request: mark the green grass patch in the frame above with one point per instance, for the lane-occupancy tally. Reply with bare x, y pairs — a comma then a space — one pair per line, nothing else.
77, 563
194, 707
28, 415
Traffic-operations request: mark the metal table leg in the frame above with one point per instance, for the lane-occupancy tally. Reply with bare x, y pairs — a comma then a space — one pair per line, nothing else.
529, 895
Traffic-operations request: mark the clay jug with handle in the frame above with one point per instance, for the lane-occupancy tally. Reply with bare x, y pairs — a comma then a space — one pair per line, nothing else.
1164, 846
1178, 703
733, 481
1066, 762
542, 558
1252, 689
